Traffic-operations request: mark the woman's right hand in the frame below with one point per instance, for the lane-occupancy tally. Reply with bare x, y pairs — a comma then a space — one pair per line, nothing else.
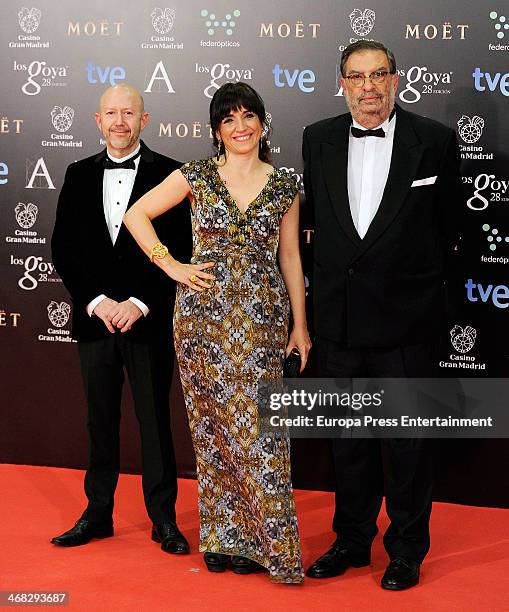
192, 275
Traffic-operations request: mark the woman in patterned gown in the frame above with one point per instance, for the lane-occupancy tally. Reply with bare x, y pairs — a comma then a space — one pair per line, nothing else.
231, 330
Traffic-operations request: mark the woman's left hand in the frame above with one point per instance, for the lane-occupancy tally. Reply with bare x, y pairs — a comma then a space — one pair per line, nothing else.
299, 339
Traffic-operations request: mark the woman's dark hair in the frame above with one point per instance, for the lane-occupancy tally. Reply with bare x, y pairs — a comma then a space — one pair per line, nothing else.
232, 97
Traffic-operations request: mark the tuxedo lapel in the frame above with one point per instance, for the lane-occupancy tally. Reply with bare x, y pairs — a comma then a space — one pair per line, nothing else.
407, 151
334, 156
95, 185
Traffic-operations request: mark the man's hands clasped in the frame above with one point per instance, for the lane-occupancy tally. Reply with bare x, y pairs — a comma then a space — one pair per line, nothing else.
120, 315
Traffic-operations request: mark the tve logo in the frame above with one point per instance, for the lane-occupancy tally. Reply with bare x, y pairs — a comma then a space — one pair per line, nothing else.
4, 173
495, 294
108, 74
492, 81
284, 77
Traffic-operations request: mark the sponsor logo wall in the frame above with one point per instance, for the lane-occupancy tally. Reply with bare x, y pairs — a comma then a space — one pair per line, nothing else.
57, 59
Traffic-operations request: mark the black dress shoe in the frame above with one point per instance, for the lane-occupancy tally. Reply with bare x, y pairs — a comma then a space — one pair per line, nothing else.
336, 561
216, 562
82, 532
170, 538
401, 574
242, 565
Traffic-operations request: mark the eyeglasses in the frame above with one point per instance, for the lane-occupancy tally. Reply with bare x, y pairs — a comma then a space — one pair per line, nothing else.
377, 78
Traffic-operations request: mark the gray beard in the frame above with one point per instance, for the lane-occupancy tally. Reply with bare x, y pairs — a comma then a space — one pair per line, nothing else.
374, 118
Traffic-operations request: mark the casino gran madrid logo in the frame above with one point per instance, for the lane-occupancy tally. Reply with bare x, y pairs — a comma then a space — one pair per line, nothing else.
267, 130
41, 74
362, 21
59, 314
470, 130
62, 118
463, 338
25, 214
221, 73
217, 26
463, 341
421, 80
29, 20
488, 191
36, 271
162, 21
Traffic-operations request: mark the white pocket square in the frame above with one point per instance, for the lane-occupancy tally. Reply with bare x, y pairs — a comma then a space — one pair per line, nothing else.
425, 181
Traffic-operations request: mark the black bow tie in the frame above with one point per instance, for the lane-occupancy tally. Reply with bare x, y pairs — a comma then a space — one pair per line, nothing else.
358, 133
109, 164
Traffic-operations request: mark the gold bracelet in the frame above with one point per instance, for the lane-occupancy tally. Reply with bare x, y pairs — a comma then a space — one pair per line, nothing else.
158, 251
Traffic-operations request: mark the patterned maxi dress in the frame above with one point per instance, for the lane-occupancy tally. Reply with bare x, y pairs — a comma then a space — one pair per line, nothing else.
227, 338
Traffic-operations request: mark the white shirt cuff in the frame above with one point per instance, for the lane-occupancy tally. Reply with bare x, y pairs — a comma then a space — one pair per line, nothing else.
143, 307
94, 303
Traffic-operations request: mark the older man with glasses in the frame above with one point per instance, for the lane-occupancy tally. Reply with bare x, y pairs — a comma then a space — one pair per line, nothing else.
384, 188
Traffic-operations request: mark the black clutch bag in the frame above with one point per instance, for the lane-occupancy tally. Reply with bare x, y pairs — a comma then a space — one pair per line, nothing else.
291, 367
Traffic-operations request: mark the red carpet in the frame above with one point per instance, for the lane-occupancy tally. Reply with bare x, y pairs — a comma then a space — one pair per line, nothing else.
467, 568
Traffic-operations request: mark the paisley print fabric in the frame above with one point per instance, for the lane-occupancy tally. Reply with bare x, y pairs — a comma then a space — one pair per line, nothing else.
227, 338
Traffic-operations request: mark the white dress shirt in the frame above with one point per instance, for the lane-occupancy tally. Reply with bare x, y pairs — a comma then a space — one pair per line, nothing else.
369, 159
117, 188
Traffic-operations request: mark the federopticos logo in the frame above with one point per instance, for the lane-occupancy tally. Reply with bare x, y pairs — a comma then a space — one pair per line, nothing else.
488, 190
500, 24
40, 75
162, 21
58, 314
496, 240
222, 73
220, 26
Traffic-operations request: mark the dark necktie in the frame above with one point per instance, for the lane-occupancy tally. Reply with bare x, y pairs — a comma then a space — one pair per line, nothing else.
358, 133
109, 164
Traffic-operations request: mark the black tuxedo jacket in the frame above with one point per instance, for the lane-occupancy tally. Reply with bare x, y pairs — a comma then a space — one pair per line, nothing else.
90, 265
387, 289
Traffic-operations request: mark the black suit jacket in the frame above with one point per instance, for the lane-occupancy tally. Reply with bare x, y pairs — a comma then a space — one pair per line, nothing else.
387, 289
90, 265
